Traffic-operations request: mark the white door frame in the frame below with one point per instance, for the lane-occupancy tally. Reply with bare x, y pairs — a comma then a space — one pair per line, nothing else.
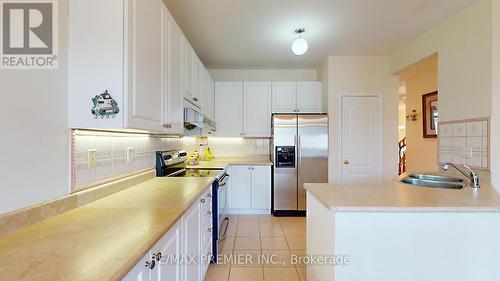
380, 100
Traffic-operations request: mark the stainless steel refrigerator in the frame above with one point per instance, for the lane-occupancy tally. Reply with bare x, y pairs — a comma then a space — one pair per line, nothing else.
300, 155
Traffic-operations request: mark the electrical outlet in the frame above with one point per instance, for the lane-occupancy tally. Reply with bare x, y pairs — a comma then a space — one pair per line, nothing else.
91, 158
130, 152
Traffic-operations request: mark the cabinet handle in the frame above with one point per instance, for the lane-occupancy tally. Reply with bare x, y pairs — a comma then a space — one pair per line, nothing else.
209, 212
195, 99
158, 256
167, 125
209, 195
202, 200
209, 229
151, 264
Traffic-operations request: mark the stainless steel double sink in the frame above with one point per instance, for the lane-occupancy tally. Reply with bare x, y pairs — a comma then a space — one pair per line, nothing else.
434, 181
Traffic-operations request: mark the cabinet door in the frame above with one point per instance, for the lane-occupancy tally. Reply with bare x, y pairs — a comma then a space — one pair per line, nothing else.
240, 194
187, 69
257, 109
139, 272
191, 241
200, 95
228, 108
284, 97
96, 63
209, 96
145, 73
211, 91
170, 248
261, 187
309, 97
174, 114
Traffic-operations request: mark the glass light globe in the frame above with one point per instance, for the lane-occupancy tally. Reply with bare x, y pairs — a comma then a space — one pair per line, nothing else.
299, 46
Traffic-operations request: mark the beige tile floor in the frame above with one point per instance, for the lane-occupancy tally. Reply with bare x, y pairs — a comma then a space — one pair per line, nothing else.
251, 238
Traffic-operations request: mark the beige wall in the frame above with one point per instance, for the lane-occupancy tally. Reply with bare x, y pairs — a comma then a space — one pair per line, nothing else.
402, 121
420, 79
366, 74
464, 45
495, 118
264, 74
34, 144
323, 76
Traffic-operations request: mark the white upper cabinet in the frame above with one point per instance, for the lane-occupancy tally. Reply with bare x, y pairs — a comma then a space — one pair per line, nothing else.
309, 97
145, 83
228, 108
174, 114
284, 97
130, 67
257, 109
199, 96
297, 97
208, 105
187, 70
191, 80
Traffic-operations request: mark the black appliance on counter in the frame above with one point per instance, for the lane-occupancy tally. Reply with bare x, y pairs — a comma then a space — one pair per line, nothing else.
173, 163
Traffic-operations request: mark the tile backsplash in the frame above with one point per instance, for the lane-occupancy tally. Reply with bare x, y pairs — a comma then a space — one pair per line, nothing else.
111, 153
465, 142
230, 147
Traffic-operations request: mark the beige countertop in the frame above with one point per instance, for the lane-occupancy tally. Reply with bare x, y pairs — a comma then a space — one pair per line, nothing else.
102, 240
222, 163
397, 197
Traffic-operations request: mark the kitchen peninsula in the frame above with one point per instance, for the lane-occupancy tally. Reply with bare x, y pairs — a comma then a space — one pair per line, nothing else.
395, 232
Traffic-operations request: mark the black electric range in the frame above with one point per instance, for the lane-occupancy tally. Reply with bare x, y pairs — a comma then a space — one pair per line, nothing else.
173, 163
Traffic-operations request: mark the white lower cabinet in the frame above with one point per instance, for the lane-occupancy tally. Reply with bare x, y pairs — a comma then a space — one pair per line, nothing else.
183, 253
191, 226
240, 188
166, 252
140, 272
249, 189
261, 187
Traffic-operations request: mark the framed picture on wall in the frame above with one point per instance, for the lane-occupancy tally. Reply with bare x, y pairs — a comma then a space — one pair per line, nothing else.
430, 114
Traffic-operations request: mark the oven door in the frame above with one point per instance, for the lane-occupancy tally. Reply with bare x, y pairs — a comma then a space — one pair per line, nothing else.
222, 196
221, 206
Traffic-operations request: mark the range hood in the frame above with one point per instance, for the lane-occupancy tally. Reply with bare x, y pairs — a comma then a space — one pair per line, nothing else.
195, 124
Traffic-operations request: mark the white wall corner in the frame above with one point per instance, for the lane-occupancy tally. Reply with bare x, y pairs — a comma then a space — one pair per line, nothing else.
495, 118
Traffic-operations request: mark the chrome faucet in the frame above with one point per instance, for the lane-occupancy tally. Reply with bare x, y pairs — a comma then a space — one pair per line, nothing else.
473, 177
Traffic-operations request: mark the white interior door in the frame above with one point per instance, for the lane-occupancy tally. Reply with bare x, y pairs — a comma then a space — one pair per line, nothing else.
361, 139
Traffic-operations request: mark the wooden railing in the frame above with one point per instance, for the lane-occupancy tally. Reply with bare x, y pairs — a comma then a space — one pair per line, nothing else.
402, 156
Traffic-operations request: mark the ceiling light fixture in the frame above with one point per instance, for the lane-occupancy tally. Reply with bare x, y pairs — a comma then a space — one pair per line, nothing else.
299, 45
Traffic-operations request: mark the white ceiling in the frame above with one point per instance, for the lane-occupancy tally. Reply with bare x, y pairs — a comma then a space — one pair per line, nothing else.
258, 33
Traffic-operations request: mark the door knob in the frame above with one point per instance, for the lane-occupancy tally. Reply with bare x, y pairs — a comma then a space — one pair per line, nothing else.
347, 162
